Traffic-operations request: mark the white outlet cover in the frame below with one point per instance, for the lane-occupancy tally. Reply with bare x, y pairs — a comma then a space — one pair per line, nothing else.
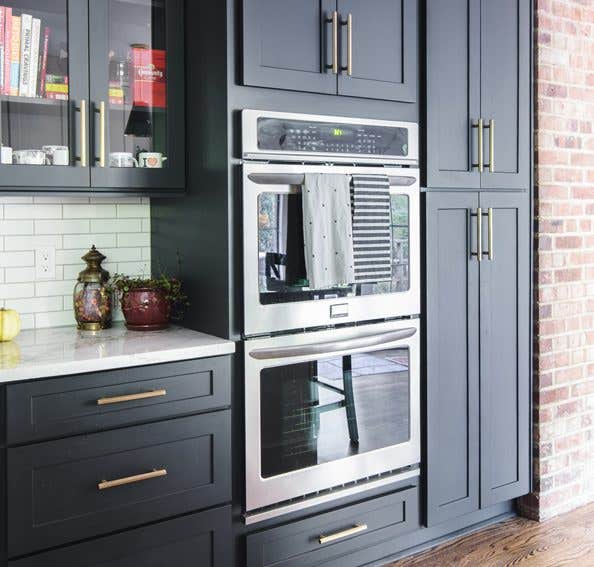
45, 263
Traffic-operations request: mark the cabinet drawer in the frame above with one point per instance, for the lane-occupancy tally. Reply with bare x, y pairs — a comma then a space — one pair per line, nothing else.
176, 543
57, 494
302, 543
101, 400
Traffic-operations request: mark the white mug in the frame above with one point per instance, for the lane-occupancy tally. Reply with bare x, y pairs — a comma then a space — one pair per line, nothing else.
30, 157
122, 159
151, 159
57, 155
6, 155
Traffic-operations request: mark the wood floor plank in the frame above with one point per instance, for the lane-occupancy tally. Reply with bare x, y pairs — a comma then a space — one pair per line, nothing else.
564, 541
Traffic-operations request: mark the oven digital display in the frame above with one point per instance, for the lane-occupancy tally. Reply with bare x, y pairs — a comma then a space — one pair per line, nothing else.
292, 136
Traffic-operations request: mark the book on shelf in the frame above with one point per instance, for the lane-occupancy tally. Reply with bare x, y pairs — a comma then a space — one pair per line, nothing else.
43, 61
56, 88
8, 18
2, 46
26, 38
15, 56
56, 96
34, 66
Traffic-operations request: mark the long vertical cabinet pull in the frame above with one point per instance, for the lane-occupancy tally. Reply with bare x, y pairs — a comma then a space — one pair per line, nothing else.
102, 134
491, 254
83, 133
492, 145
349, 26
333, 21
480, 126
479, 234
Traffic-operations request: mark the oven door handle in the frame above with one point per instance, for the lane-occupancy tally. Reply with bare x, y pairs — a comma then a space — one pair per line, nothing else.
332, 346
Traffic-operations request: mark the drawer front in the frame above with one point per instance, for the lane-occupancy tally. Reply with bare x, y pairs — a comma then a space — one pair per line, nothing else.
325, 537
62, 491
90, 402
176, 543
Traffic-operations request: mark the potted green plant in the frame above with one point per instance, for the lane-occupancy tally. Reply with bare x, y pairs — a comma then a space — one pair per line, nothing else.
148, 303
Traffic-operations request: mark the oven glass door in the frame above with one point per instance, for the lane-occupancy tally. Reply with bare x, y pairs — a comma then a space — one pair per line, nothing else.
323, 409
277, 293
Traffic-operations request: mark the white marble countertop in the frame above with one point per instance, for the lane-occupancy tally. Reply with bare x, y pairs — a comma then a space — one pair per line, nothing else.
60, 351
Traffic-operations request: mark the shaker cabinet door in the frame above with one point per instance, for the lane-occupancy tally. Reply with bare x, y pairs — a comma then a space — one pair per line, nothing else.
505, 92
453, 93
289, 44
44, 95
452, 356
505, 348
379, 49
137, 94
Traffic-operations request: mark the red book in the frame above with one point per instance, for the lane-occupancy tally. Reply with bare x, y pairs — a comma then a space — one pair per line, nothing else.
149, 77
7, 42
43, 61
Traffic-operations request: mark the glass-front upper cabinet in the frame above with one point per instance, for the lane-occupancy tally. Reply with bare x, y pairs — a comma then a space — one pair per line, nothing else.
44, 93
137, 93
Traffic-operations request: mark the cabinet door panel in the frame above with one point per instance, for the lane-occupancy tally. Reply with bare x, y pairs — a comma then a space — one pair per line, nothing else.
452, 357
137, 57
40, 109
505, 91
453, 95
385, 38
504, 332
287, 45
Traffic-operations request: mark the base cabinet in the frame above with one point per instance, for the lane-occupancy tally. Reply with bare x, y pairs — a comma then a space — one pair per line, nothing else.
200, 539
478, 379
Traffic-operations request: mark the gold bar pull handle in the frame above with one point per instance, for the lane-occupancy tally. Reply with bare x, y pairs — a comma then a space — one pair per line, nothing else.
344, 533
492, 146
349, 25
333, 19
491, 254
105, 484
83, 133
480, 126
131, 397
101, 111
479, 234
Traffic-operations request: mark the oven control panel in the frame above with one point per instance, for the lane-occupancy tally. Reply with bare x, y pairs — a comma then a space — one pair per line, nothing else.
321, 137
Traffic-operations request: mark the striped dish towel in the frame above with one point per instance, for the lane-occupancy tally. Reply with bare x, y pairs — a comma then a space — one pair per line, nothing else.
372, 233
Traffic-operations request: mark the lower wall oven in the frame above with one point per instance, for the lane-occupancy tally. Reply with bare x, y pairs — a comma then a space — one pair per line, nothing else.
329, 413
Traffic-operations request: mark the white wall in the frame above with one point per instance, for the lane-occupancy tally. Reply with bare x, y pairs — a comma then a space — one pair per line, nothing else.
119, 228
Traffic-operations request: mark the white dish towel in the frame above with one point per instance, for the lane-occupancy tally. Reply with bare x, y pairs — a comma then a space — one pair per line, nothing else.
328, 230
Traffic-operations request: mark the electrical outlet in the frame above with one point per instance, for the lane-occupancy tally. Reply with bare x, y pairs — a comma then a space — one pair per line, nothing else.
45, 263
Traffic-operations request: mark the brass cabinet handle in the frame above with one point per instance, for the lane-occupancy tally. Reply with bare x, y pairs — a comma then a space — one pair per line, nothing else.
492, 145
344, 533
349, 26
491, 254
101, 111
105, 484
333, 19
131, 397
481, 145
479, 234
83, 133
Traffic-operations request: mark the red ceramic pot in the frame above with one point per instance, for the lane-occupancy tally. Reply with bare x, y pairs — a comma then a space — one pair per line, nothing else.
146, 309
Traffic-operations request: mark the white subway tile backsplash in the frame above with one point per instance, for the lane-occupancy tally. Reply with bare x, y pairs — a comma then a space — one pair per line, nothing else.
119, 227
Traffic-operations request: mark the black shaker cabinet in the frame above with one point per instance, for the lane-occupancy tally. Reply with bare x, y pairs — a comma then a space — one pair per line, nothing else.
103, 106
478, 380
478, 94
345, 47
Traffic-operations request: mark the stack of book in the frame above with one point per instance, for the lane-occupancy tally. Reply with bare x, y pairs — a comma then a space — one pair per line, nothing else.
24, 45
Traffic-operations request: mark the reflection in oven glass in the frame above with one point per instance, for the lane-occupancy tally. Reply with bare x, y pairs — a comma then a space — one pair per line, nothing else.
332, 408
281, 269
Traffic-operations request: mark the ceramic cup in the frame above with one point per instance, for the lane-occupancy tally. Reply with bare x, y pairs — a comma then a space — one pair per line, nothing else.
30, 157
57, 155
151, 159
6, 155
122, 159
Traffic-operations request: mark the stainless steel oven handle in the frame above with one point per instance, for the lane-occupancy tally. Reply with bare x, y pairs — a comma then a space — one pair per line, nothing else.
299, 179
332, 346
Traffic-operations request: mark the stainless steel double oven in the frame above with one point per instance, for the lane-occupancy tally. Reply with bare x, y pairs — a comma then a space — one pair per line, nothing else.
331, 375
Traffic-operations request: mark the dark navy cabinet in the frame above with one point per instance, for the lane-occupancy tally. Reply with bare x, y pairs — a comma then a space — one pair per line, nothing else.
478, 376
345, 47
478, 94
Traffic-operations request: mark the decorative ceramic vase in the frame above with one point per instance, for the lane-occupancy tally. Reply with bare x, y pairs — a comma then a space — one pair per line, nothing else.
146, 309
92, 296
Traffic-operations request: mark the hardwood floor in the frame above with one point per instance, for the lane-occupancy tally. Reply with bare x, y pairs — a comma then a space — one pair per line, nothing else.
566, 540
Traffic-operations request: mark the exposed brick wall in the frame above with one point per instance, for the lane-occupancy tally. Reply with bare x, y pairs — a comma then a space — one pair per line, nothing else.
564, 302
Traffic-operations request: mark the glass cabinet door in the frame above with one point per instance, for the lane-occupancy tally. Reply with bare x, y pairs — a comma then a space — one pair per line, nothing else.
137, 92
43, 93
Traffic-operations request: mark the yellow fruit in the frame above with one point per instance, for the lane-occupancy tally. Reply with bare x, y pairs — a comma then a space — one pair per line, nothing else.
10, 324
10, 355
